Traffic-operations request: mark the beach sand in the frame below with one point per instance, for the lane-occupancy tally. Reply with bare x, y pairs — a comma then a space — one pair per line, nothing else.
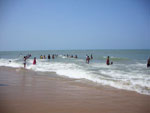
26, 91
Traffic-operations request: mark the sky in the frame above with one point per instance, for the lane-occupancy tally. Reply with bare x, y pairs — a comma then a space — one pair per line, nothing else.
74, 24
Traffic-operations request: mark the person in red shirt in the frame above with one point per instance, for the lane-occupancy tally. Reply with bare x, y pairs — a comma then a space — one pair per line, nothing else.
34, 61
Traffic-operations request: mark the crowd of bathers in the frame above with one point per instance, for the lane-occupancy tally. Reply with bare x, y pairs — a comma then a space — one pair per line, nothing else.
88, 58
71, 56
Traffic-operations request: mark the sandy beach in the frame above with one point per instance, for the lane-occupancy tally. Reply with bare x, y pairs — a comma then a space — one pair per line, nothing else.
26, 91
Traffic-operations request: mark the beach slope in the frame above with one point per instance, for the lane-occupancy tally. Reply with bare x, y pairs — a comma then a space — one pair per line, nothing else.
26, 91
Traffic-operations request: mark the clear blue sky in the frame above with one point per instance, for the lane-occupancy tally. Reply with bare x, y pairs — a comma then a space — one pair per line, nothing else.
74, 24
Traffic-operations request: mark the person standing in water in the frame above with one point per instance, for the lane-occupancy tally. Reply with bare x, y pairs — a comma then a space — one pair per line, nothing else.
76, 56
91, 56
41, 57
53, 57
148, 62
107, 61
49, 57
24, 62
87, 59
34, 61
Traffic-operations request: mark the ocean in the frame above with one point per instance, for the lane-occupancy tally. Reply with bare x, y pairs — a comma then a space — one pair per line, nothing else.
129, 70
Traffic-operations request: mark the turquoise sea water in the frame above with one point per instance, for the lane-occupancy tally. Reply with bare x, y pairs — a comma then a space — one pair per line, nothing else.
128, 71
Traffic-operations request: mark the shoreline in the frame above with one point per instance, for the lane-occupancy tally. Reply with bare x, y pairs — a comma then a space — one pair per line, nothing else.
77, 80
27, 91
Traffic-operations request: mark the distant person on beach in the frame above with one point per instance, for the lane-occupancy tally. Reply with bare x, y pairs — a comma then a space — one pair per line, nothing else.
34, 61
41, 57
24, 62
87, 59
107, 61
91, 56
76, 56
49, 57
53, 56
148, 62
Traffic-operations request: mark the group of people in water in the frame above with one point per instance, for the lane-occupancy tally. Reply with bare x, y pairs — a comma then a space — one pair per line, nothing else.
71, 56
49, 56
34, 60
53, 56
88, 58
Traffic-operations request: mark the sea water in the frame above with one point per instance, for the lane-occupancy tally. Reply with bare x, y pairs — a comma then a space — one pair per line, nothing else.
128, 71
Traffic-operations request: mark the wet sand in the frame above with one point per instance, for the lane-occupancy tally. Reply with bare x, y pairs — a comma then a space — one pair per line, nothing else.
26, 91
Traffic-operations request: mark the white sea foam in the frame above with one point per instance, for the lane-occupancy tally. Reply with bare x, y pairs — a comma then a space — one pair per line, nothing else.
10, 63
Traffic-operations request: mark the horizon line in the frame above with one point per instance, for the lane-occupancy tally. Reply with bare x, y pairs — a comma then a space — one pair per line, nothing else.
66, 49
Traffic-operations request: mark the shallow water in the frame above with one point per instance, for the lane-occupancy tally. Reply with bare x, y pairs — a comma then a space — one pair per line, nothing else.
128, 71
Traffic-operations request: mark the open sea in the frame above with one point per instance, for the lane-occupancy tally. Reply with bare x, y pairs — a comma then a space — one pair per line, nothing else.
129, 70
